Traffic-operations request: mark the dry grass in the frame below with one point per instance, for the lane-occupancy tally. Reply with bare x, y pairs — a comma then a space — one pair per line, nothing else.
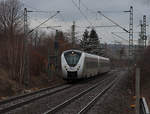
9, 87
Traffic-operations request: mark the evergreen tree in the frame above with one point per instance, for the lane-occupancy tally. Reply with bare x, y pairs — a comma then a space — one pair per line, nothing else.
94, 44
84, 44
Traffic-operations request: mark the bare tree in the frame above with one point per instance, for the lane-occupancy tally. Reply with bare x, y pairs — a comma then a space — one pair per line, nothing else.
10, 16
11, 41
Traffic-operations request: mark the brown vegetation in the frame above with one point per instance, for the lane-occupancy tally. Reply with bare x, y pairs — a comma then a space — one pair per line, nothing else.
145, 74
12, 50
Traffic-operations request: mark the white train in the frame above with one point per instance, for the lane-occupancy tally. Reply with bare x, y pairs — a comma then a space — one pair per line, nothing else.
78, 64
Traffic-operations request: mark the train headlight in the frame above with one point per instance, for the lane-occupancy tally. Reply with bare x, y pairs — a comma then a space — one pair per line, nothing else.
66, 67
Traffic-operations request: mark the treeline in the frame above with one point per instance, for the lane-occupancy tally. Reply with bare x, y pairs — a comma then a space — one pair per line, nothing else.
12, 44
90, 42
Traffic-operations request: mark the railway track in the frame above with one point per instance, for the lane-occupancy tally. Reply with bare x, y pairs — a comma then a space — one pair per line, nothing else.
16, 105
18, 101
91, 103
69, 105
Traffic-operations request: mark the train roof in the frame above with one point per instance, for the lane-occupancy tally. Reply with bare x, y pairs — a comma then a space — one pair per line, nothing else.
73, 50
104, 58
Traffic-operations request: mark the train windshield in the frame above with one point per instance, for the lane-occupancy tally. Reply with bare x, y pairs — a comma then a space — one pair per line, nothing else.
72, 58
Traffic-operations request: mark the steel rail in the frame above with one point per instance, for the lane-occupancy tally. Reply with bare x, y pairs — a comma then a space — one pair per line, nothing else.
2, 102
90, 104
17, 105
65, 103
4, 108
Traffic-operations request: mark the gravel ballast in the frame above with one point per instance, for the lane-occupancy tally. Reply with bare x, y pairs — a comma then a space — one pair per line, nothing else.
117, 100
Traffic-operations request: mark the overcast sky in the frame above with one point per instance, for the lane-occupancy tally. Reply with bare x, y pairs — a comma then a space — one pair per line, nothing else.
88, 16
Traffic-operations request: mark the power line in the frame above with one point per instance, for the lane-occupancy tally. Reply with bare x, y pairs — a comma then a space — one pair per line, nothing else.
120, 37
51, 27
102, 26
44, 22
82, 13
113, 21
61, 16
125, 32
40, 11
92, 11
112, 11
30, 6
105, 26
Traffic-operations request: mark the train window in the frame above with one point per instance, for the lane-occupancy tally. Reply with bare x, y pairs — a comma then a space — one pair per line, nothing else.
91, 63
72, 58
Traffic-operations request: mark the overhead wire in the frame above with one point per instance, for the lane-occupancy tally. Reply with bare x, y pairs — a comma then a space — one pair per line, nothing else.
50, 27
61, 16
82, 13
99, 12
40, 11
91, 25
34, 19
92, 11
119, 37
44, 22
36, 10
25, 4
106, 11
96, 14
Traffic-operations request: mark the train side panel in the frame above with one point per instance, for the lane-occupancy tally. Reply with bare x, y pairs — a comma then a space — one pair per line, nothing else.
90, 65
104, 65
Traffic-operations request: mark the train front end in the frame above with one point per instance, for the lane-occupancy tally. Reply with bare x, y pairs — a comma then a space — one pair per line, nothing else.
71, 63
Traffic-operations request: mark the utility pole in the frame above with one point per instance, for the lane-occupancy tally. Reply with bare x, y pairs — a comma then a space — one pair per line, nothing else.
144, 31
56, 50
141, 41
26, 53
73, 34
130, 28
143, 36
131, 33
51, 66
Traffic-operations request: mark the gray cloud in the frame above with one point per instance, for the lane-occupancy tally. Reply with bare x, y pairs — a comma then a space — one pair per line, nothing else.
111, 8
145, 2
